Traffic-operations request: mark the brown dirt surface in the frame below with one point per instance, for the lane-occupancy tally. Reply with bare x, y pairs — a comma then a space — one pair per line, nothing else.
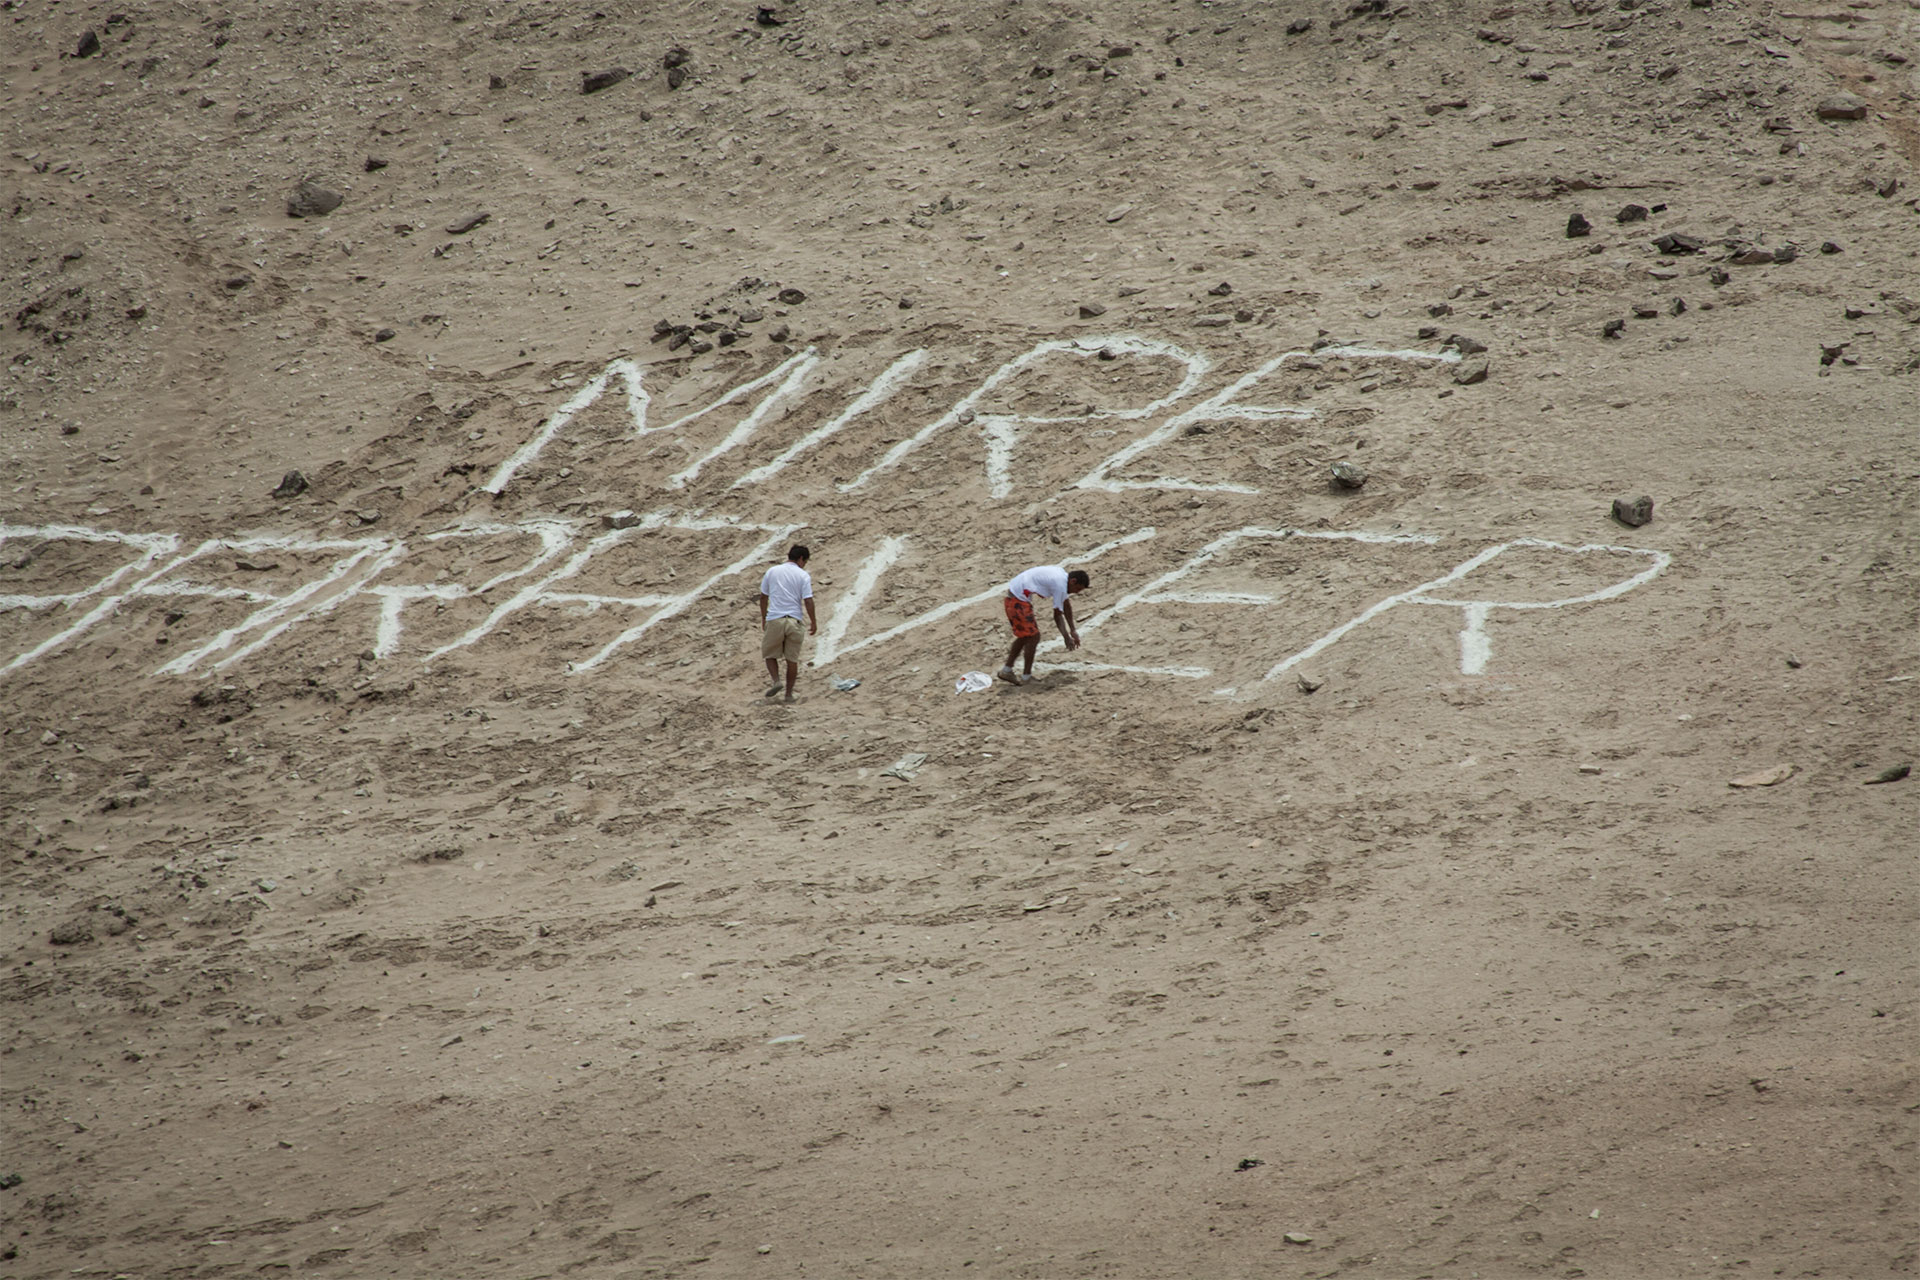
404, 875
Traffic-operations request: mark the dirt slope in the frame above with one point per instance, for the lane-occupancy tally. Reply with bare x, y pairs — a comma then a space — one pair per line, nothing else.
404, 875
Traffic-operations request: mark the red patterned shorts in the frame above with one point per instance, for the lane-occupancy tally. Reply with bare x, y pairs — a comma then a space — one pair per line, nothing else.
1020, 618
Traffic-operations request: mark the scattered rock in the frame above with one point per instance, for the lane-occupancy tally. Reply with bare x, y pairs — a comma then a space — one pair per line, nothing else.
1842, 106
1464, 345
1306, 684
1894, 774
1297, 1237
368, 516
1578, 226
1718, 276
1092, 310
1299, 26
1677, 307
1677, 242
72, 933
595, 81
311, 200
750, 315
1633, 512
1828, 354
1439, 309
89, 44
1251, 1162
1612, 328
235, 283
375, 164
905, 767
1349, 476
1428, 332
1785, 253
791, 297
779, 333
1128, 290
385, 335
620, 520
1118, 212
676, 76
1794, 662
497, 83
1828, 246
1751, 257
1631, 213
1221, 290
461, 226
1764, 778
675, 57
905, 304
1645, 311
292, 485
1470, 372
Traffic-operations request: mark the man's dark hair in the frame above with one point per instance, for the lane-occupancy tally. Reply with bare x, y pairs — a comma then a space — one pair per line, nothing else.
1079, 578
798, 551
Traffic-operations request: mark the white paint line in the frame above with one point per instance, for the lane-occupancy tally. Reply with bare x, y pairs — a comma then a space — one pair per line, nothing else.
1118, 344
1189, 673
285, 610
1208, 597
1661, 560
799, 366
151, 546
1220, 407
882, 389
1475, 647
1452, 575
841, 616
637, 400
679, 604
155, 545
992, 593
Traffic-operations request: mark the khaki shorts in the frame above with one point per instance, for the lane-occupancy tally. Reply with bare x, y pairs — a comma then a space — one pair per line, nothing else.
782, 639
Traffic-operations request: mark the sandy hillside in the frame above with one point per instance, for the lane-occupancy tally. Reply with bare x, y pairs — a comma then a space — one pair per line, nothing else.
404, 876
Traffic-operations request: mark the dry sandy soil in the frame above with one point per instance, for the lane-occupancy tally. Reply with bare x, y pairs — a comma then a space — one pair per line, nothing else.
405, 877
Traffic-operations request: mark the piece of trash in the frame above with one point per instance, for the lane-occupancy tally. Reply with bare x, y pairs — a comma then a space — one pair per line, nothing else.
973, 682
786, 1039
1251, 1162
1765, 777
845, 686
1894, 774
905, 767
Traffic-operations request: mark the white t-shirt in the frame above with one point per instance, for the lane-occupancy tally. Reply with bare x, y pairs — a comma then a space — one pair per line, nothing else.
785, 586
1049, 580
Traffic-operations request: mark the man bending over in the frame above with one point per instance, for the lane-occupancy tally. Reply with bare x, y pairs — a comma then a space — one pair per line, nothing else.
1056, 584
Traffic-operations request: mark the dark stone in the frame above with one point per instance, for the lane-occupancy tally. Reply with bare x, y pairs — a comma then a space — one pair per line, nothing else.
595, 81
1645, 311
906, 304
89, 44
1894, 774
791, 297
1633, 513
1677, 307
1349, 476
764, 16
461, 226
1299, 26
726, 337
1828, 354
1470, 372
675, 57
676, 76
1829, 246
1221, 290
1120, 51
1428, 332
1785, 253
375, 164
1092, 310
1752, 257
386, 335
1718, 276
661, 328
1612, 328
750, 315
779, 333
1464, 345
311, 200
72, 933
700, 348
292, 485
1678, 242
681, 337
237, 283
1842, 106
1578, 226
1439, 309
1631, 213
496, 82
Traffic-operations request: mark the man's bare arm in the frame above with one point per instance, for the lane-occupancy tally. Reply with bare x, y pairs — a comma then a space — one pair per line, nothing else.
813, 627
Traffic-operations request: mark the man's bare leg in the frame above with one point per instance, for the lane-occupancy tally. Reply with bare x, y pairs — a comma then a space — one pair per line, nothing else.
773, 678
1029, 647
793, 674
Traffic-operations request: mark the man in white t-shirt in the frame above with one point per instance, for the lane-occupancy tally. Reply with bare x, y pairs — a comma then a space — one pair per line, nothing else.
785, 591
1056, 584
